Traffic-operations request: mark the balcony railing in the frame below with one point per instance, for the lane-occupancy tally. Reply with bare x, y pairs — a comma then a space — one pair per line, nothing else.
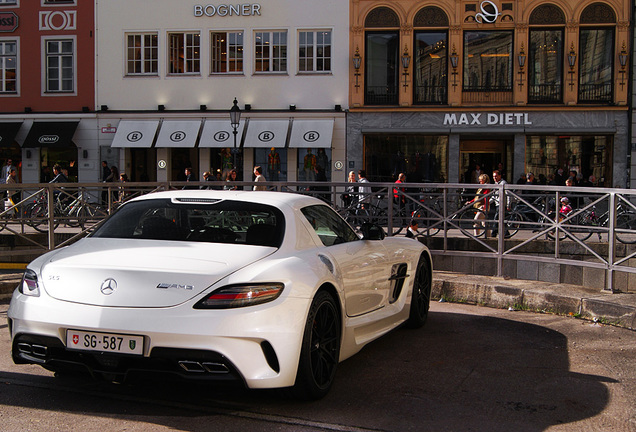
381, 95
545, 93
595, 93
487, 94
434, 95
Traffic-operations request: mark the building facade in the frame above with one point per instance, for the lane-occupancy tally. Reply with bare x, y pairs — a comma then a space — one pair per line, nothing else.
443, 91
47, 86
168, 74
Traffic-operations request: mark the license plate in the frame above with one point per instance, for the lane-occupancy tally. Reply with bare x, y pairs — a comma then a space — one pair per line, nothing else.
104, 342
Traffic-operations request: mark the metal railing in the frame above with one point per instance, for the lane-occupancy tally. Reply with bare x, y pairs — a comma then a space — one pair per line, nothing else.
599, 232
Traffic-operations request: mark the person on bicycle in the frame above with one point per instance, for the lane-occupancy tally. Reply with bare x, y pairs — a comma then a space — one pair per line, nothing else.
59, 175
565, 206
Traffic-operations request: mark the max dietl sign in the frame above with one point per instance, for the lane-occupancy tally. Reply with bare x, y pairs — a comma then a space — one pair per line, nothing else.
8, 21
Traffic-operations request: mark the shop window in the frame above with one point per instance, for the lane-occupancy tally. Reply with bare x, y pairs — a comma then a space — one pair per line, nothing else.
8, 66
142, 54
488, 65
273, 161
222, 161
591, 156
422, 158
226, 50
314, 51
314, 164
271, 51
184, 53
60, 66
66, 157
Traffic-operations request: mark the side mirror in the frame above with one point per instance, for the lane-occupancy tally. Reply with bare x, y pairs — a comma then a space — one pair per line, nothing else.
371, 231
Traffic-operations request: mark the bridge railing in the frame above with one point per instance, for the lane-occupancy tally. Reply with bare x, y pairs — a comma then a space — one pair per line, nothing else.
528, 226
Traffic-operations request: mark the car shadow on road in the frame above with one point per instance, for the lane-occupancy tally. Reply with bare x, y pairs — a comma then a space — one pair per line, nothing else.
459, 372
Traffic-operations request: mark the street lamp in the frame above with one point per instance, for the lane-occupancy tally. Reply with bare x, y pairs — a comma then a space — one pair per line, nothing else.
235, 118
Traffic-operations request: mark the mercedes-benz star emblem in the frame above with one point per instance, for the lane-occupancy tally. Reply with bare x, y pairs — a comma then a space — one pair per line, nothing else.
108, 286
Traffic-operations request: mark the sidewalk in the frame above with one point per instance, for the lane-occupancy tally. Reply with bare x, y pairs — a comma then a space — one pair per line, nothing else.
542, 297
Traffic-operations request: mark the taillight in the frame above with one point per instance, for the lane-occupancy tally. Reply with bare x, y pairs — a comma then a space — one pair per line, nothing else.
235, 296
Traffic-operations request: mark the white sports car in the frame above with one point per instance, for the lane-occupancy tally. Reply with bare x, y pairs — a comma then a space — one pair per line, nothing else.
272, 289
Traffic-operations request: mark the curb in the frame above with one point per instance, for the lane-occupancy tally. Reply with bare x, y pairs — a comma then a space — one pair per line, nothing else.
542, 297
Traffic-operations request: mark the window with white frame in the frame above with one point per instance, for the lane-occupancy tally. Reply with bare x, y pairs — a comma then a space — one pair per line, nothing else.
184, 53
270, 51
142, 54
8, 2
226, 52
60, 66
53, 2
314, 51
8, 66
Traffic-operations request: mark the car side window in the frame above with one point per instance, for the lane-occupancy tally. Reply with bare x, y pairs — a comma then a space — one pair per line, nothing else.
329, 226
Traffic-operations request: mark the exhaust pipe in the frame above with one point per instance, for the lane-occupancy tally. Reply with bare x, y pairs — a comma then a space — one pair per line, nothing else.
198, 367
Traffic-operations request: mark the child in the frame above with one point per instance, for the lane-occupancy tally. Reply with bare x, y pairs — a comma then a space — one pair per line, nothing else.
565, 206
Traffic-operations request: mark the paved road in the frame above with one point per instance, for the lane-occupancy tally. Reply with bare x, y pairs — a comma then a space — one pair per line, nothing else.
470, 369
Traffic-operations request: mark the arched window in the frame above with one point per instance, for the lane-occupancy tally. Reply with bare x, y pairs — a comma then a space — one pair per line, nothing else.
596, 54
381, 59
430, 53
545, 55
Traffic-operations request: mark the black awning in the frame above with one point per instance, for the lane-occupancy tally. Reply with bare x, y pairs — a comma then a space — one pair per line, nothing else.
8, 131
51, 134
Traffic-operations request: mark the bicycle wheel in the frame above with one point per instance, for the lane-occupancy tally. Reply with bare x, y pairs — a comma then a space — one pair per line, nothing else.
513, 223
38, 218
425, 222
552, 218
626, 227
473, 221
580, 226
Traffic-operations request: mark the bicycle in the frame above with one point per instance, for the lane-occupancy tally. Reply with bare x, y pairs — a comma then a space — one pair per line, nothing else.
428, 216
625, 227
74, 211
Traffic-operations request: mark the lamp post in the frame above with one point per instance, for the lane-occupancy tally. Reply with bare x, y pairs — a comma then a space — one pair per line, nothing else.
235, 118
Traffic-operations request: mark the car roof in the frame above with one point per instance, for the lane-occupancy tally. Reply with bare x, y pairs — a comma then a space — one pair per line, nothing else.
275, 199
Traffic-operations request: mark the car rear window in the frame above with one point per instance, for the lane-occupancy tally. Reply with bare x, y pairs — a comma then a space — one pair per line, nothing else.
196, 220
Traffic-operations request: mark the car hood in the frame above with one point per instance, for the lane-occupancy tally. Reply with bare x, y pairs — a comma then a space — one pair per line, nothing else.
141, 273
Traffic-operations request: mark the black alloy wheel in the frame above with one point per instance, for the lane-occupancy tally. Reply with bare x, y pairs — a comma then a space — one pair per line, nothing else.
320, 351
421, 298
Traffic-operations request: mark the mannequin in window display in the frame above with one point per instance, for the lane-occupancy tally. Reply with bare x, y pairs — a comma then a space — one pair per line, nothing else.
310, 166
226, 161
322, 161
273, 164
429, 166
399, 163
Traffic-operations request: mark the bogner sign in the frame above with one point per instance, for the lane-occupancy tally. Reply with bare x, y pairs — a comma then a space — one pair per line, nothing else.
223, 10
479, 119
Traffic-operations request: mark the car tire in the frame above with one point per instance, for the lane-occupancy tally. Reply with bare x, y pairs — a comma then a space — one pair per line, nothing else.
320, 350
421, 298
